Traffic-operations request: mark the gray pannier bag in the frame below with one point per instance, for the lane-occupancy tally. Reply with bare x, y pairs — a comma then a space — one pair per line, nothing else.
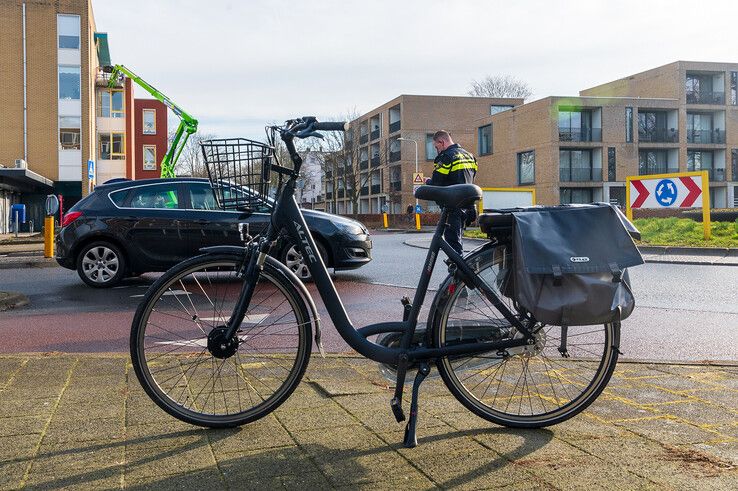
569, 264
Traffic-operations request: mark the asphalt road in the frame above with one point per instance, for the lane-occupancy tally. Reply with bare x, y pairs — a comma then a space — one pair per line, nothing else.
685, 313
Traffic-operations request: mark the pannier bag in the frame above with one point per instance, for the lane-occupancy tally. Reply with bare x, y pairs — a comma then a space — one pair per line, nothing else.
569, 264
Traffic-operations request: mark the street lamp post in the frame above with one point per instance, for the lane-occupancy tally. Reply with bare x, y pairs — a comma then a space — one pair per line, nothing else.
417, 215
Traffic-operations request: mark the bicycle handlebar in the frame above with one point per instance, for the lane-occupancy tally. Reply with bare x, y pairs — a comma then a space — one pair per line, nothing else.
331, 126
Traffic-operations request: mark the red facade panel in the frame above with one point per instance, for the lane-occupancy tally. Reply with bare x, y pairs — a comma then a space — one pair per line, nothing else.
142, 139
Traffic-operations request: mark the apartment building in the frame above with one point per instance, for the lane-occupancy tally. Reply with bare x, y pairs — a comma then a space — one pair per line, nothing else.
47, 96
676, 118
59, 117
375, 171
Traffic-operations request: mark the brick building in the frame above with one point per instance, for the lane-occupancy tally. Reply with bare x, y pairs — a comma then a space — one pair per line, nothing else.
58, 113
676, 118
385, 164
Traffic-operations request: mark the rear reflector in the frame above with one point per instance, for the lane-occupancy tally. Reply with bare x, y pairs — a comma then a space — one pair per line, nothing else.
70, 217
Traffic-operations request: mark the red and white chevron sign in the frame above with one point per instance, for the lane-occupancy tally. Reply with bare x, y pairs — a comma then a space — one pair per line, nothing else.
666, 191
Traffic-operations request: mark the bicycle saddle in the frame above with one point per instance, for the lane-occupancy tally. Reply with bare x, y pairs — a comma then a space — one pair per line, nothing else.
454, 196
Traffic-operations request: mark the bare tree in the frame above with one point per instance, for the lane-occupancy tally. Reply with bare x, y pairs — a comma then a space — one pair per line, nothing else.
500, 86
351, 170
190, 162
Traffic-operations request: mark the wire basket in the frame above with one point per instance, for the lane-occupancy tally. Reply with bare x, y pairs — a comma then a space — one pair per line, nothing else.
239, 171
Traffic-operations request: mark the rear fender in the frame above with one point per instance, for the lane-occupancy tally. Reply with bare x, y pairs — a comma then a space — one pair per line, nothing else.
289, 276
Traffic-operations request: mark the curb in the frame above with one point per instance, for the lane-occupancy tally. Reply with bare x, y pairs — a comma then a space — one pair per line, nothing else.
27, 262
12, 300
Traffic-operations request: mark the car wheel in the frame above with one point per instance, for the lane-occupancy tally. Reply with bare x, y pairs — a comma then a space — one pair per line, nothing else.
292, 258
101, 264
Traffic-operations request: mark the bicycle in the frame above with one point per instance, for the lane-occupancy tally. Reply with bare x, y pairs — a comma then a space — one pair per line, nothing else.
224, 338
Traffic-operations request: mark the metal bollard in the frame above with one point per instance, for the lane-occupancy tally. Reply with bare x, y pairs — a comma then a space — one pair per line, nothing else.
49, 236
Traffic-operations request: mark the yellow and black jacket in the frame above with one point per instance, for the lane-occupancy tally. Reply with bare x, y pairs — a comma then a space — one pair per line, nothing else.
453, 166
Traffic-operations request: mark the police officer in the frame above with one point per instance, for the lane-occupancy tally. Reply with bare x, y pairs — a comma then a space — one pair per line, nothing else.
453, 165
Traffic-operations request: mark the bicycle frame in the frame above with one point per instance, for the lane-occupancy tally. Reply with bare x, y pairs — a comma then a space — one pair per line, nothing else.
287, 215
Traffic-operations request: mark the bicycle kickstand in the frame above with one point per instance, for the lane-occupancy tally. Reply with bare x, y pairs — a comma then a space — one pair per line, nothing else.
411, 440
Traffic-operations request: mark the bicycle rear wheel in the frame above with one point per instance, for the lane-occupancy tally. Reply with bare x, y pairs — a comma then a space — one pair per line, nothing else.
201, 379
525, 387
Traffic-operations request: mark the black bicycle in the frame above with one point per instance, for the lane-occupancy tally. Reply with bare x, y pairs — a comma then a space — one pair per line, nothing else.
224, 338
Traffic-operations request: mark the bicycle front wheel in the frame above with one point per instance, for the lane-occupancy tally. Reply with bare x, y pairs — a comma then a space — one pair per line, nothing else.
200, 378
526, 387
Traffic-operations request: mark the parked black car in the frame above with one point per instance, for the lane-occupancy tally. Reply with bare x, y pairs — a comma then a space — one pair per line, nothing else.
126, 228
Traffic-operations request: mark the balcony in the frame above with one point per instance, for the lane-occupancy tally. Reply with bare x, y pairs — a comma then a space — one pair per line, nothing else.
716, 174
580, 134
705, 97
659, 135
374, 134
645, 170
567, 174
394, 127
706, 136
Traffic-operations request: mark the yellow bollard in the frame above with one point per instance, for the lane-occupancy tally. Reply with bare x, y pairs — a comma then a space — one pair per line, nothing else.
384, 217
417, 221
49, 237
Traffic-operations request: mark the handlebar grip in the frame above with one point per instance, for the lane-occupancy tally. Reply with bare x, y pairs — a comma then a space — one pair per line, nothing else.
330, 126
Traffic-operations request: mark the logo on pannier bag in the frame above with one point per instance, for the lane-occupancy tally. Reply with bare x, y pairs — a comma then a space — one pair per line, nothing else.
579, 259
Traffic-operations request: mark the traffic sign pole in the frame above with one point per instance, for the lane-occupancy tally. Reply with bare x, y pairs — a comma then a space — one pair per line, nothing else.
707, 228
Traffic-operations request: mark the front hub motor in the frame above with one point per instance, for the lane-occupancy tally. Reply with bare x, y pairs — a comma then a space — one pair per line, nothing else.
219, 345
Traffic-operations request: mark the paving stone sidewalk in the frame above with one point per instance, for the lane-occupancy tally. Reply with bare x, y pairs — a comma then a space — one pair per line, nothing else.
82, 421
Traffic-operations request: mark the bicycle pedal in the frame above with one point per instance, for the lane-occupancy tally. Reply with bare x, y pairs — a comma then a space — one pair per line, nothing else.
396, 406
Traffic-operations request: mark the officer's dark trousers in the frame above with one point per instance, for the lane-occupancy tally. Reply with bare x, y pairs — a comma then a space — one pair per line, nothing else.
455, 229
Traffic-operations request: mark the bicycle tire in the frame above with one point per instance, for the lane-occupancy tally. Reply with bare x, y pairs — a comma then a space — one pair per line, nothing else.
170, 332
528, 387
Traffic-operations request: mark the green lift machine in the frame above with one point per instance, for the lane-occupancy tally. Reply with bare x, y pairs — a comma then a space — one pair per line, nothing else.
187, 124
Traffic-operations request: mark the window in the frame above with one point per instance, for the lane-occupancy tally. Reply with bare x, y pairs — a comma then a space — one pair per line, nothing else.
629, 125
69, 83
527, 167
110, 103
149, 157
655, 162
67, 28
149, 121
576, 195
611, 169
576, 165
699, 160
734, 165
430, 150
485, 140
202, 197
494, 108
69, 133
734, 88
396, 178
162, 196
111, 146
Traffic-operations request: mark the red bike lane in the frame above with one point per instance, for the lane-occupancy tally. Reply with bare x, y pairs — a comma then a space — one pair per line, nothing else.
103, 332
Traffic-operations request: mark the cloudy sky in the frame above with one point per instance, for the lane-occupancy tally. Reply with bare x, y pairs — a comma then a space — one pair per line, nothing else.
238, 65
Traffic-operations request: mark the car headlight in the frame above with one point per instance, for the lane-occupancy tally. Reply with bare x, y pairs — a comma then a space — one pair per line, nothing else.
351, 228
